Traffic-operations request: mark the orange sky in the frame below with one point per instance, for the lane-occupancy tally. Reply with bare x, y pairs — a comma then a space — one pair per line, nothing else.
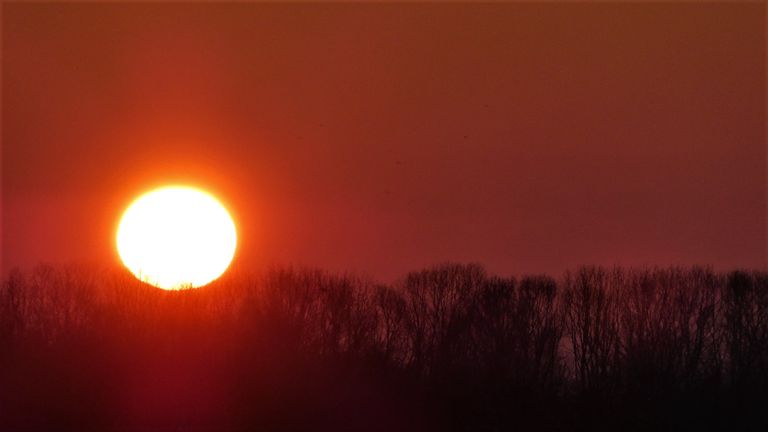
383, 138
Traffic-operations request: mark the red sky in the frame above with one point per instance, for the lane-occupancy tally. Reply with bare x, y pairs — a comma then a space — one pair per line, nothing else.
383, 138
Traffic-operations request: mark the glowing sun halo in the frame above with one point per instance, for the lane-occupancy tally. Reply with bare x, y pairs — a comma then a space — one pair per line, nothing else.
176, 237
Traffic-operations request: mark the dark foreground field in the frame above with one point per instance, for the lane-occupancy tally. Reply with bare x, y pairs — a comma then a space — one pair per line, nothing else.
448, 348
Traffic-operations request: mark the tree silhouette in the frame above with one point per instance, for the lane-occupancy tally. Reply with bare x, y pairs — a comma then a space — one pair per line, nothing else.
449, 347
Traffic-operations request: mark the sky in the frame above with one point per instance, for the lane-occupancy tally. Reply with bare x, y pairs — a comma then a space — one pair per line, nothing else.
383, 138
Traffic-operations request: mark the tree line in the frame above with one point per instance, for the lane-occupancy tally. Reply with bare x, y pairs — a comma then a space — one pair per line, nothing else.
450, 347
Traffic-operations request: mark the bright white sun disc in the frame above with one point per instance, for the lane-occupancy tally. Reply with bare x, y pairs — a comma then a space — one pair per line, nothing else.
176, 237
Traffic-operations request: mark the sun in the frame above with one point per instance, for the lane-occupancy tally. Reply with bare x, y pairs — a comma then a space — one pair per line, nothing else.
176, 237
